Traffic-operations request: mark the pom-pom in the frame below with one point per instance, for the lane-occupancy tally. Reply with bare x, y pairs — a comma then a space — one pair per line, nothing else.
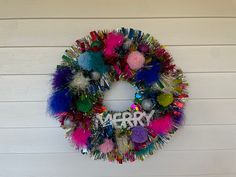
135, 60
165, 99
61, 77
84, 61
79, 82
60, 101
107, 146
84, 104
148, 75
91, 67
92, 61
161, 125
98, 62
139, 134
112, 41
80, 137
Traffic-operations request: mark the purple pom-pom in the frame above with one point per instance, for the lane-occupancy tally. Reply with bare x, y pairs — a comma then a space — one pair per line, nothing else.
61, 77
148, 74
139, 134
178, 117
60, 101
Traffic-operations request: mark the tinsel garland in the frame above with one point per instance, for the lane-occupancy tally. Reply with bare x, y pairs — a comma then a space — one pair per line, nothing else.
88, 69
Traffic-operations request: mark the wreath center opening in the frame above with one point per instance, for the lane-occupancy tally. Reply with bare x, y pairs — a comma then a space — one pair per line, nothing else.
120, 96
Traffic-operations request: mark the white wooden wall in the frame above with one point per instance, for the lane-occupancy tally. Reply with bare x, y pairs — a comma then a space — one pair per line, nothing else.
200, 34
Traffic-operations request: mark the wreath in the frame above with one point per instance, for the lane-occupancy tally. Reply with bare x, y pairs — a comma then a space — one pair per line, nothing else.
88, 70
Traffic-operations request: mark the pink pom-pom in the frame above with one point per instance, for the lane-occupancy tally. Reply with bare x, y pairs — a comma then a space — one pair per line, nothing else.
80, 137
112, 41
161, 125
107, 146
135, 60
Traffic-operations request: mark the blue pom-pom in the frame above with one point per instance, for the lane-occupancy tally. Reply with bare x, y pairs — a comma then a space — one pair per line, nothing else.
84, 61
149, 74
92, 61
60, 101
61, 77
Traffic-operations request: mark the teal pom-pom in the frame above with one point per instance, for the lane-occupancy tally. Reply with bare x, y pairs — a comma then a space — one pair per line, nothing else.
92, 61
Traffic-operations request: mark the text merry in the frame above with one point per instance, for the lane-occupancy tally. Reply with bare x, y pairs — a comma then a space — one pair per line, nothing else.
127, 119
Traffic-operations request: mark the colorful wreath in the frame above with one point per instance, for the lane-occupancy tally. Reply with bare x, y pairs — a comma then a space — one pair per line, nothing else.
88, 70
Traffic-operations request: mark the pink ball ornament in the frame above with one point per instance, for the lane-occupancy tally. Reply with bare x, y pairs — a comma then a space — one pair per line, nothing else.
135, 60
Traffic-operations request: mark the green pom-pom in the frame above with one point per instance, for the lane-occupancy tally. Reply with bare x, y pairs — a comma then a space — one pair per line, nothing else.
84, 105
165, 99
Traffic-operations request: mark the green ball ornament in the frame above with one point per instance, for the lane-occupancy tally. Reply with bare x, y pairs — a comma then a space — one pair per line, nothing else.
84, 105
96, 45
165, 99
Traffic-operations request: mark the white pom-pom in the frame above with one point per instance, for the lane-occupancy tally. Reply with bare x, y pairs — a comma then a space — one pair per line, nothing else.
79, 82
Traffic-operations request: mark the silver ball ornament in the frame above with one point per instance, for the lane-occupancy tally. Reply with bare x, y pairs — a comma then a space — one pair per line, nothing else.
95, 75
68, 123
147, 104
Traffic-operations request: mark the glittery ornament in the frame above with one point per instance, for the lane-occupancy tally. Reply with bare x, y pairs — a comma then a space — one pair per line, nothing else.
68, 124
95, 75
147, 104
138, 95
96, 45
